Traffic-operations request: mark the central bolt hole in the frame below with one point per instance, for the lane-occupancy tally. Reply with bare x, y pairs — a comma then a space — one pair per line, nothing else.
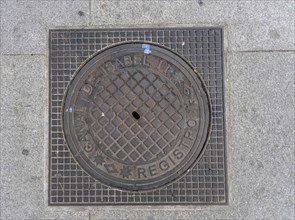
136, 115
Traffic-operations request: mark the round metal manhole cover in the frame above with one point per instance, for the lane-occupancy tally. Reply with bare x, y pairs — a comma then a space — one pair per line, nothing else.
136, 116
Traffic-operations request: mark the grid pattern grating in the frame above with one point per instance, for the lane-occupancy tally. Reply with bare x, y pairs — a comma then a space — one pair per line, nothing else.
69, 184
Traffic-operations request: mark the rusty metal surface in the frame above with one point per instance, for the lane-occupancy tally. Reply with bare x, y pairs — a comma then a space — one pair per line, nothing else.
203, 183
136, 121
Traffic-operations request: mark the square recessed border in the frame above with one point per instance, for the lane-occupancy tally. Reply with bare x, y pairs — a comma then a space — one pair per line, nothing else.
205, 184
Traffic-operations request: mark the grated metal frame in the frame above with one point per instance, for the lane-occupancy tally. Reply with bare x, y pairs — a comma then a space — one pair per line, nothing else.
205, 184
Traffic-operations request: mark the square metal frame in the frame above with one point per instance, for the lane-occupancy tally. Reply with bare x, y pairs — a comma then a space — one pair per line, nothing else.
205, 184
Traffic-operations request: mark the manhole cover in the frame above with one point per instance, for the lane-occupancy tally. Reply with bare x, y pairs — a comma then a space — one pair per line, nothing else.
136, 116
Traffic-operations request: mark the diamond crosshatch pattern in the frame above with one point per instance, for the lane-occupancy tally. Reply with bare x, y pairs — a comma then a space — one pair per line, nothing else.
69, 184
126, 145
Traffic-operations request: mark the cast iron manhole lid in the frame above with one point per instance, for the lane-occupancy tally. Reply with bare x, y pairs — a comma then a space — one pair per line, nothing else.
136, 116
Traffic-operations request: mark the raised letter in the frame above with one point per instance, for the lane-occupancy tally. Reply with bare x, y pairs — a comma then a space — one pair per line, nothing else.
164, 165
110, 67
119, 64
137, 60
127, 60
144, 61
153, 170
141, 171
178, 154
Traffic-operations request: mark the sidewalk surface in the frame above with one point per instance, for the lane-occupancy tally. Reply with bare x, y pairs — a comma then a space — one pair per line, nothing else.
259, 86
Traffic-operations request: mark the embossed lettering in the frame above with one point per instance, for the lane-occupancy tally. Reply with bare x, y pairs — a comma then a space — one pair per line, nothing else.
103, 125
87, 89
187, 90
110, 67
188, 134
119, 64
167, 68
178, 154
164, 165
191, 123
92, 80
141, 171
137, 60
160, 64
127, 60
80, 126
144, 62
153, 170
186, 145
171, 160
103, 70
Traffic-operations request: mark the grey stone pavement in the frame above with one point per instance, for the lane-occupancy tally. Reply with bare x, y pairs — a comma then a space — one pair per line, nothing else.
260, 57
